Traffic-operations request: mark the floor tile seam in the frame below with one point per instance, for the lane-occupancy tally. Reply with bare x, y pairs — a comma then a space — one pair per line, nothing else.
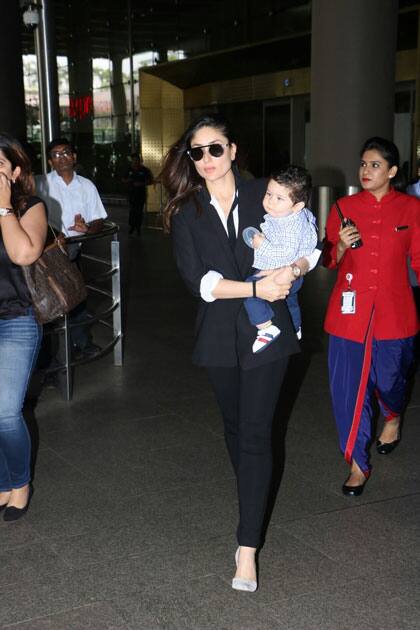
128, 420
252, 602
126, 465
302, 539
205, 428
175, 486
223, 579
208, 430
152, 416
162, 450
56, 539
109, 443
62, 556
81, 471
333, 592
47, 535
69, 571
177, 445
16, 546
59, 456
23, 547
181, 485
61, 611
58, 558
345, 508
315, 548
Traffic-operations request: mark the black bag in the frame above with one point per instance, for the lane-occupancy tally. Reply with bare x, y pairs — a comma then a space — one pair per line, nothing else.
55, 283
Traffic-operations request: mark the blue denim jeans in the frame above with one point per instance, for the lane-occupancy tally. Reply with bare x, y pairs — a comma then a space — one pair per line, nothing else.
19, 345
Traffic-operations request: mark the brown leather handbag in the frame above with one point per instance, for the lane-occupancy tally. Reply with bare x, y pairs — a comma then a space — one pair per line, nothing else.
55, 283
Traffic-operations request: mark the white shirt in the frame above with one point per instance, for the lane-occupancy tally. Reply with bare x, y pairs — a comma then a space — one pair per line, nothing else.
64, 201
216, 205
211, 278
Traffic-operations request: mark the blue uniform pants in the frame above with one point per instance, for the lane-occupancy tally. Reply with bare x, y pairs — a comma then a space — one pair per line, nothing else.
385, 377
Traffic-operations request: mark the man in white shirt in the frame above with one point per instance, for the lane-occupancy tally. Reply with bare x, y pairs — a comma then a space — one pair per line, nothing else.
73, 202
74, 208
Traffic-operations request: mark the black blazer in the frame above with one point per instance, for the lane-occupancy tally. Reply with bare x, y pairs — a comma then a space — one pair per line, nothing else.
224, 335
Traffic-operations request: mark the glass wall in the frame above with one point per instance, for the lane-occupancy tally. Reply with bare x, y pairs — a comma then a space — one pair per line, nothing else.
97, 92
30, 81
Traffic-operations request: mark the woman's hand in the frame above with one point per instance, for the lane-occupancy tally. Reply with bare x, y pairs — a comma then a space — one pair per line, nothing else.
348, 235
5, 191
275, 284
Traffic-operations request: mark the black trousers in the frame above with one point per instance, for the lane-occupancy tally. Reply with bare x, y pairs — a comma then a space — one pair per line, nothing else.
247, 399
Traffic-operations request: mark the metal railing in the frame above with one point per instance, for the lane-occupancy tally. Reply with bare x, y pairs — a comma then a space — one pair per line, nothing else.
65, 362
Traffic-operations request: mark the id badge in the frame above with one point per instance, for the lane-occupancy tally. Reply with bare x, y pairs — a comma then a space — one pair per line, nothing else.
348, 302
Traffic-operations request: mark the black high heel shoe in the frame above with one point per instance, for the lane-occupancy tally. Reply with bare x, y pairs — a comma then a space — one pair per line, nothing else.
13, 513
3, 506
354, 491
385, 448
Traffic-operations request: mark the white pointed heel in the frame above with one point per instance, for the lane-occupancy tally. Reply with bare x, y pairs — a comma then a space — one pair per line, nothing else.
239, 584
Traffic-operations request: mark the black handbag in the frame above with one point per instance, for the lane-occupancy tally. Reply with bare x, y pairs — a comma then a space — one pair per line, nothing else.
55, 283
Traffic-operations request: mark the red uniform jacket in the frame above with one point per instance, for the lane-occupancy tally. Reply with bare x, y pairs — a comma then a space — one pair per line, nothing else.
390, 231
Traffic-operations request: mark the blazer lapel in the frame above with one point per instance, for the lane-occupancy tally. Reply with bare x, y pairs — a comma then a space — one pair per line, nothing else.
244, 254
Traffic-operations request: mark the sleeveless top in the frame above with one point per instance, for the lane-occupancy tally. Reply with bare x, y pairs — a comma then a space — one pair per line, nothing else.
14, 295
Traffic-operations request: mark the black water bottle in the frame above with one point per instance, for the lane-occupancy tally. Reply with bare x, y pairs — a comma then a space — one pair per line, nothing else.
345, 222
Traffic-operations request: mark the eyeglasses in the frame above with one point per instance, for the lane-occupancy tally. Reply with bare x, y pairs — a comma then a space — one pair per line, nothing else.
59, 154
215, 150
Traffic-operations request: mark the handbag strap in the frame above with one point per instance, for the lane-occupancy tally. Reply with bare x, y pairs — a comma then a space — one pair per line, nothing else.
57, 240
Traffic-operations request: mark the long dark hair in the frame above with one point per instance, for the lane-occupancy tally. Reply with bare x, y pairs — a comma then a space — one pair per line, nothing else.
179, 176
24, 185
390, 153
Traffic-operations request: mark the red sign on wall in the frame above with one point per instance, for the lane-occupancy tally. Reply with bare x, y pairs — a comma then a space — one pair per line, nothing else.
80, 106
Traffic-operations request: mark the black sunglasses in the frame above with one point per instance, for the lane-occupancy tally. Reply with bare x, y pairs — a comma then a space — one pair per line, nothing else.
216, 150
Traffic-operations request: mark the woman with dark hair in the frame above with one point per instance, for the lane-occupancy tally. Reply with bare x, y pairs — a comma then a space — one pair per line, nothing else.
208, 206
371, 315
23, 229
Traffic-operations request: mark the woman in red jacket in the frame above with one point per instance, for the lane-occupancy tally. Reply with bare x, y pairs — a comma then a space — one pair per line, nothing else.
371, 315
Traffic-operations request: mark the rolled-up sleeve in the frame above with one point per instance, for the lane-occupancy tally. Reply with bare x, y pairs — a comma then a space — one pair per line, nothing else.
313, 258
208, 284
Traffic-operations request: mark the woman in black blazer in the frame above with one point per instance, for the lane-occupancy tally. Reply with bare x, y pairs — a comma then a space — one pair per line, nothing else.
208, 207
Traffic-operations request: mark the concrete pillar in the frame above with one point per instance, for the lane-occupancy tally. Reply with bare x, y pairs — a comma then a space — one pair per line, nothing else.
352, 83
12, 101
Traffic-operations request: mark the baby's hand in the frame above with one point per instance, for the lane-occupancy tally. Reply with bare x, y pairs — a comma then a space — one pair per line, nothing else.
257, 240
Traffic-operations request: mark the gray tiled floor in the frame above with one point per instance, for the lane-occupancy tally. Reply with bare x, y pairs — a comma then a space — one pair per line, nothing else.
133, 518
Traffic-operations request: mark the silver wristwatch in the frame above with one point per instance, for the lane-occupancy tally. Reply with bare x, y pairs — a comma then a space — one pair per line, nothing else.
296, 271
5, 211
